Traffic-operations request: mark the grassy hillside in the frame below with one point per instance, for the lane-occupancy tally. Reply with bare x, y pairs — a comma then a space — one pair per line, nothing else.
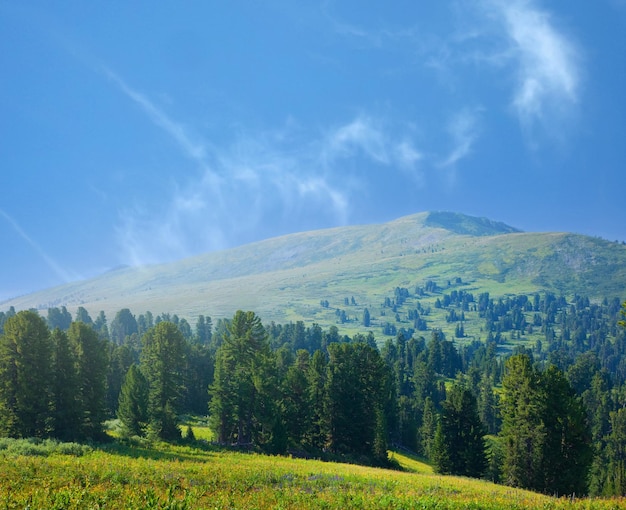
284, 279
185, 477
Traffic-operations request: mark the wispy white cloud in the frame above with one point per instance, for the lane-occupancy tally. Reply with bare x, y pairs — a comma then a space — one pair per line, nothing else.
370, 137
464, 129
359, 134
236, 188
371, 37
273, 176
50, 262
177, 132
547, 61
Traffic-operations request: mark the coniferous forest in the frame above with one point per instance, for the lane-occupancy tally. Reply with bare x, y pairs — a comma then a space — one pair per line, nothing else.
550, 417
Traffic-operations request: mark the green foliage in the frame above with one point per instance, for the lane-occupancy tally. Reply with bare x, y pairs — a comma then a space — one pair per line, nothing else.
240, 402
59, 318
91, 355
356, 393
25, 374
545, 432
124, 324
163, 364
35, 447
133, 403
65, 408
459, 445
616, 454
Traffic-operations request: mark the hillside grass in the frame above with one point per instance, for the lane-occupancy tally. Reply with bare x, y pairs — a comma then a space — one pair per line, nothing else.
283, 279
142, 475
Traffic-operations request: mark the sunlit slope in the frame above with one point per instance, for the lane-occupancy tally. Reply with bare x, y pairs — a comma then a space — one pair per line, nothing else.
185, 477
285, 278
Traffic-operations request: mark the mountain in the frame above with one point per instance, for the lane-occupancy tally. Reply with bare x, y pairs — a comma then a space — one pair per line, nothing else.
286, 278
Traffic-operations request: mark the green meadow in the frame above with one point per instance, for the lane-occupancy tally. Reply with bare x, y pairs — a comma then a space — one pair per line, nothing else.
142, 475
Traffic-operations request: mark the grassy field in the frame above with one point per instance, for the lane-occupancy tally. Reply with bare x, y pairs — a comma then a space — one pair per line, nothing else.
142, 476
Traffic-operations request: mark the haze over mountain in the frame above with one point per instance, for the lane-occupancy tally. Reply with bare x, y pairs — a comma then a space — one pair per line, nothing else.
136, 133
285, 278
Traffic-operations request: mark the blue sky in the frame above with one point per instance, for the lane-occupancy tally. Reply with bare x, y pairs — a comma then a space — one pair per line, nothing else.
143, 132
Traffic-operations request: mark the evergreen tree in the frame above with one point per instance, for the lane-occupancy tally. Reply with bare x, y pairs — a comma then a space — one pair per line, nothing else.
132, 410
459, 445
238, 365
124, 324
66, 416
357, 389
317, 431
163, 364
616, 455
100, 325
546, 436
91, 355
523, 430
428, 430
199, 368
59, 318
567, 452
297, 409
223, 398
366, 318
488, 405
25, 375
82, 315
121, 358
203, 330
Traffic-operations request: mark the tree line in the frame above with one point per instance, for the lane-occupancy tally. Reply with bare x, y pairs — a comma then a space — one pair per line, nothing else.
549, 418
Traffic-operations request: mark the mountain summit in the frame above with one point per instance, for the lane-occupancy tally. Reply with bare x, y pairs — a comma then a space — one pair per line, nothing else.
286, 278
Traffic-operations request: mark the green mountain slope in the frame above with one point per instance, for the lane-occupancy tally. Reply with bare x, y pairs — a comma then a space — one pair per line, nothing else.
285, 278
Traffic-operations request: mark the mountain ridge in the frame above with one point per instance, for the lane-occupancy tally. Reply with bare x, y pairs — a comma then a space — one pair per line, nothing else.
286, 277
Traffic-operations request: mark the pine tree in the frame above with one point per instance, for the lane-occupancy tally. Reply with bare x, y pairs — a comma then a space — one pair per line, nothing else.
616, 455
317, 431
91, 354
523, 431
546, 436
124, 324
356, 396
297, 409
66, 416
459, 445
223, 398
488, 405
239, 365
163, 363
567, 451
25, 375
366, 318
132, 410
428, 430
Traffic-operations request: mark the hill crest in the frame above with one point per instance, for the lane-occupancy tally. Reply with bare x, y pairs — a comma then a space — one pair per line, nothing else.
286, 278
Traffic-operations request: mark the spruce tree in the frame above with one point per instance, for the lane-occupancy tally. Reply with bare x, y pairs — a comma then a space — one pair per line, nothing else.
91, 354
523, 430
132, 410
546, 436
163, 364
567, 450
459, 445
66, 415
25, 376
317, 431
241, 364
